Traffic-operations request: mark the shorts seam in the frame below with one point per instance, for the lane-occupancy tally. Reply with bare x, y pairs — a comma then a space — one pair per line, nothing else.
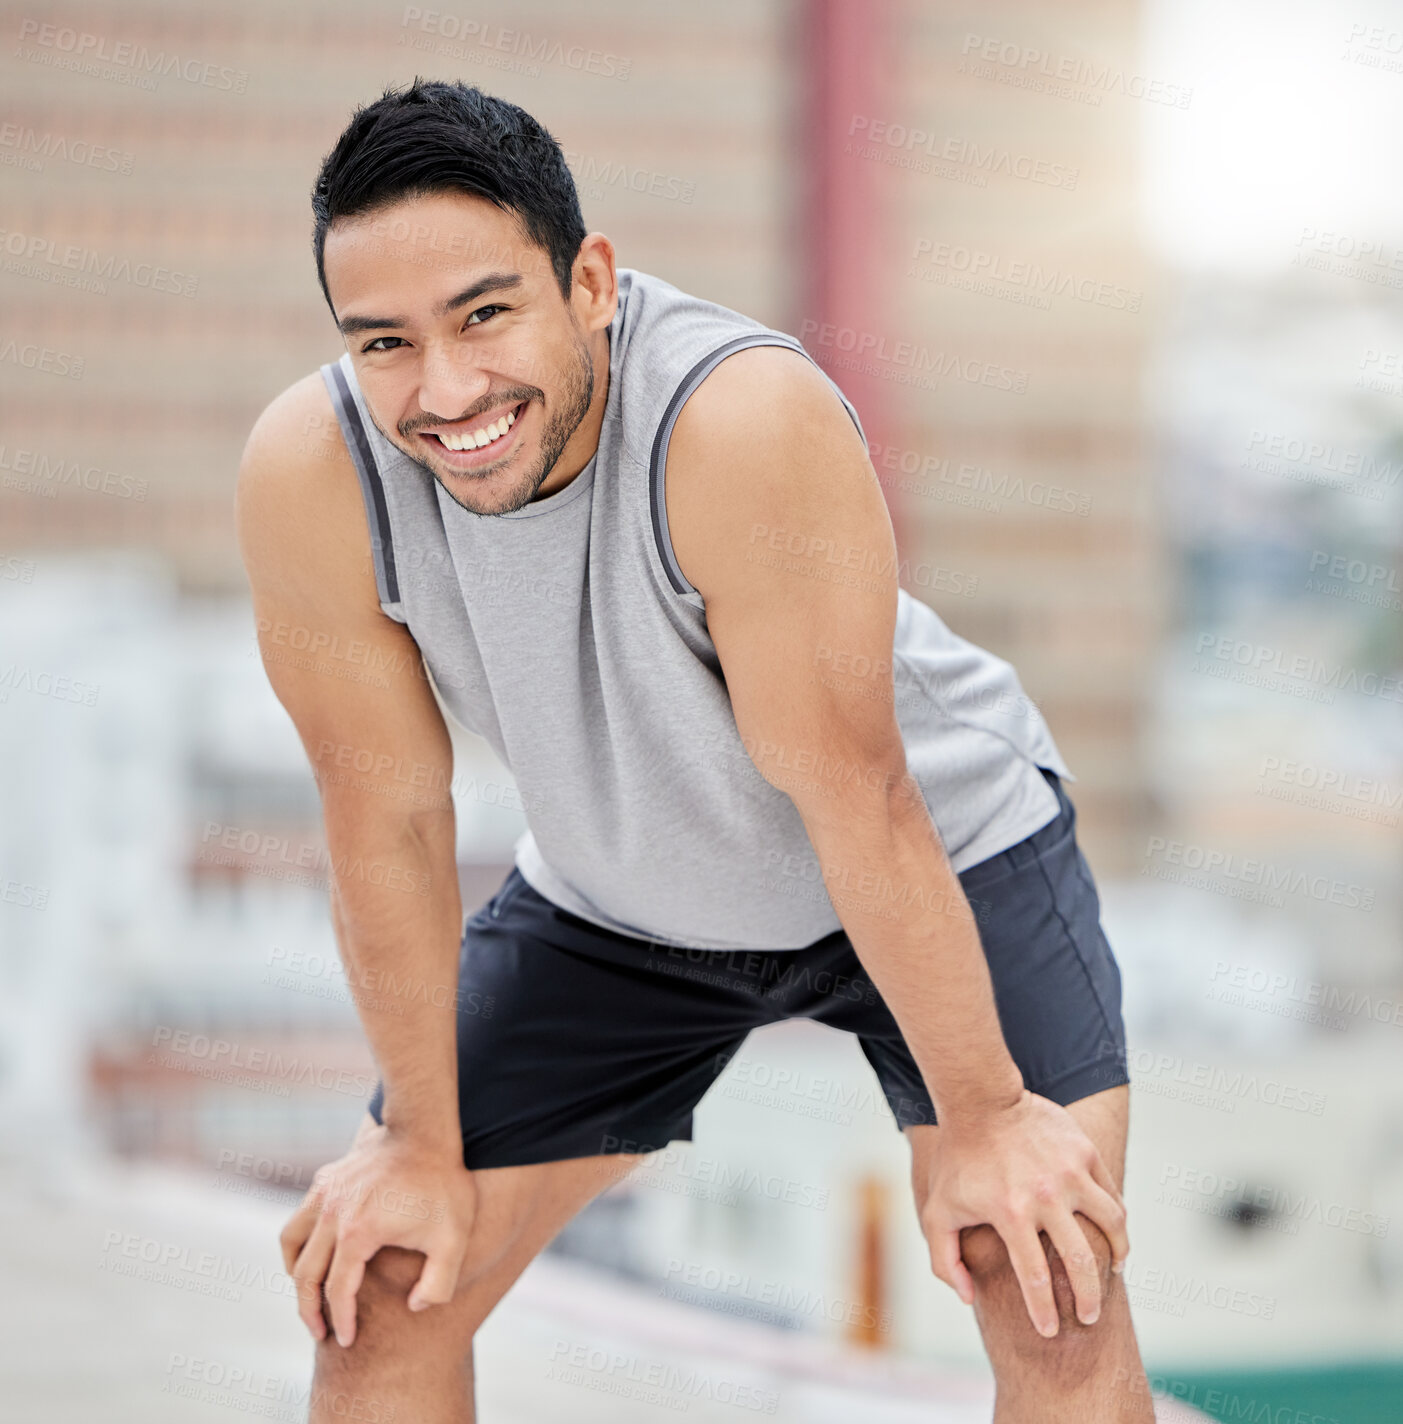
1094, 1061
508, 1154
1077, 949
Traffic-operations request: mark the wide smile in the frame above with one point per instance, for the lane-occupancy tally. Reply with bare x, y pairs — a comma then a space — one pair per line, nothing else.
485, 444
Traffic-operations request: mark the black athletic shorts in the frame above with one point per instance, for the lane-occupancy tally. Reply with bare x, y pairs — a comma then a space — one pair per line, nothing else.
574, 1040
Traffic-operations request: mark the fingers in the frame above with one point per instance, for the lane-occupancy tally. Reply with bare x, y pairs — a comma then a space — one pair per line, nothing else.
948, 1265
1110, 1214
293, 1237
1079, 1261
343, 1280
438, 1279
1030, 1266
310, 1271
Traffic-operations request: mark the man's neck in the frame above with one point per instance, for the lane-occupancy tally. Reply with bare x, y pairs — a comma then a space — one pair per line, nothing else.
582, 446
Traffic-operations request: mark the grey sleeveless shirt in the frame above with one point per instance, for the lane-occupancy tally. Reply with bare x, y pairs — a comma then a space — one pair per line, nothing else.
566, 635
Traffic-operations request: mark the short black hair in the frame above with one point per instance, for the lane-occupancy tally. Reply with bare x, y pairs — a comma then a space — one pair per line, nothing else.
436, 137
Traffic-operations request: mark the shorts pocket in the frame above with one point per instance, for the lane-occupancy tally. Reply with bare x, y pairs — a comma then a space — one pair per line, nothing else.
512, 886
505, 893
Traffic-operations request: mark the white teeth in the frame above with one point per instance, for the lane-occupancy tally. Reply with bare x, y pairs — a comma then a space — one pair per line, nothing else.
476, 439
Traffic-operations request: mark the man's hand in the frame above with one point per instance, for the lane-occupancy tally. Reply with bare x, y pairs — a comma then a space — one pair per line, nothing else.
1023, 1169
386, 1191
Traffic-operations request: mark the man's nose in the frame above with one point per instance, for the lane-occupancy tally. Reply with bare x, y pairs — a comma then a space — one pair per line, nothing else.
449, 383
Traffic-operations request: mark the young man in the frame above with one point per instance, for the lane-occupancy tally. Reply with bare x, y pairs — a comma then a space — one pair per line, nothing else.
634, 540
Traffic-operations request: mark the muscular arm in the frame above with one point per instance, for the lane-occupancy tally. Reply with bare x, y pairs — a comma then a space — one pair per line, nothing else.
777, 519
353, 682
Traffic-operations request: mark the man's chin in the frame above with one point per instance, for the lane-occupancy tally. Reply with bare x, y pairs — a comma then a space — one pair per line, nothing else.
484, 494
481, 493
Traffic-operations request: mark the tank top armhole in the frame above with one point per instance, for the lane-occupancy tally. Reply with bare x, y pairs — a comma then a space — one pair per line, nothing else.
657, 461
372, 488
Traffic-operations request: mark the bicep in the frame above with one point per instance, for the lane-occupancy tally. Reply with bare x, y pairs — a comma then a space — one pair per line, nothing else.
807, 662
781, 525
354, 685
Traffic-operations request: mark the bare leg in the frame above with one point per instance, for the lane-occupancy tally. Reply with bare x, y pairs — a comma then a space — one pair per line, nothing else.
419, 1367
1085, 1374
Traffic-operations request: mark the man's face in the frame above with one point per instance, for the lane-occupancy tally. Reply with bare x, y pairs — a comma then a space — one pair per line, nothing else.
457, 328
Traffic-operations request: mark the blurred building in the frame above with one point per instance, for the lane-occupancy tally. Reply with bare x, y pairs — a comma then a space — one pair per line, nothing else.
173, 987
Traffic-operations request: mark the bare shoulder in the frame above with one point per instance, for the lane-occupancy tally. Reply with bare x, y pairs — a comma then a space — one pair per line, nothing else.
763, 444
297, 427
299, 513
350, 676
762, 390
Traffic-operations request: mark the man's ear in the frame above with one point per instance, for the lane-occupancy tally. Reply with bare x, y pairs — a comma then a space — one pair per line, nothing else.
595, 291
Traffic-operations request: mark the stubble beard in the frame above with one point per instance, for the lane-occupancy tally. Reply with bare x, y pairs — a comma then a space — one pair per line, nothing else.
576, 394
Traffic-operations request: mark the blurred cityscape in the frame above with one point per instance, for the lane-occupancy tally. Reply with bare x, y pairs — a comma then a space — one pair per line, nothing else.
1163, 485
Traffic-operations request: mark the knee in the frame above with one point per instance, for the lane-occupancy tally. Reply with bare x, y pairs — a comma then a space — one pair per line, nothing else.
396, 1354
995, 1280
390, 1274
382, 1298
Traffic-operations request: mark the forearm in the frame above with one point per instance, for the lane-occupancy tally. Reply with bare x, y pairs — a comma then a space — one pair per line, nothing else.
397, 914
913, 929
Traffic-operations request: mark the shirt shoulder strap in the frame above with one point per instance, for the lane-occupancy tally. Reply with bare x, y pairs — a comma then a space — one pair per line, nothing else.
382, 543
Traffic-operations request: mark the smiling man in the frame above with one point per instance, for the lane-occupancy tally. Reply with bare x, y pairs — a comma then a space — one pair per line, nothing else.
634, 540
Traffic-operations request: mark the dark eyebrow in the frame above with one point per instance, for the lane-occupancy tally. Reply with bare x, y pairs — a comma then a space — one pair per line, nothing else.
492, 282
